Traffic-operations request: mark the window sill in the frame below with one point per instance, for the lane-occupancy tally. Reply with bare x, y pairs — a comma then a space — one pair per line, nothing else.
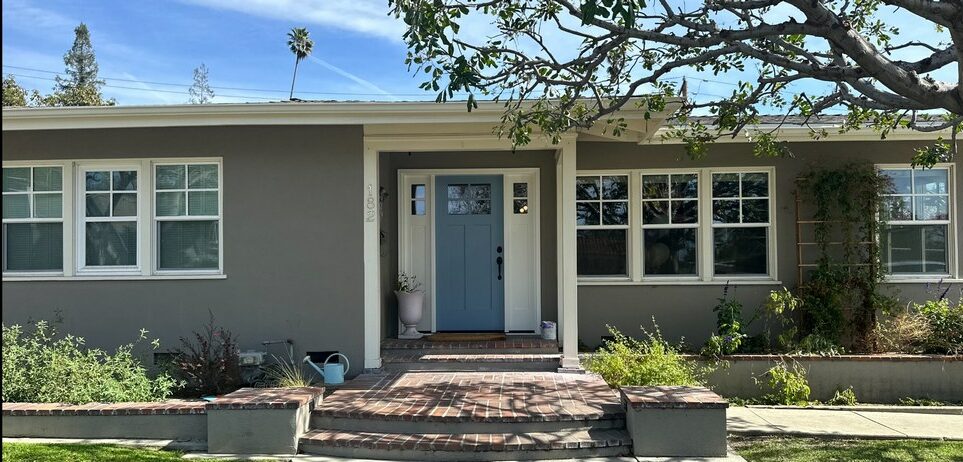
165, 277
922, 280
650, 282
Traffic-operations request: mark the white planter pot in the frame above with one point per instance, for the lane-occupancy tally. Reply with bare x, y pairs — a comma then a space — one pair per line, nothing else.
410, 306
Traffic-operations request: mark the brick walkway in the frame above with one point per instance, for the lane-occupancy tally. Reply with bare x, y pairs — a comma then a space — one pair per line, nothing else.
474, 396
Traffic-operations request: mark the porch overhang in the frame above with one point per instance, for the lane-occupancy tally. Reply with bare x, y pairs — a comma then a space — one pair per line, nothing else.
636, 125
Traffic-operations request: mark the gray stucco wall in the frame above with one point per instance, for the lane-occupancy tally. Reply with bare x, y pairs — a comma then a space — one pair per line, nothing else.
686, 311
292, 243
390, 163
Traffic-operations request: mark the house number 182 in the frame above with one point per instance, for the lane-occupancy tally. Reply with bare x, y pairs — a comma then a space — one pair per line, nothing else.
370, 206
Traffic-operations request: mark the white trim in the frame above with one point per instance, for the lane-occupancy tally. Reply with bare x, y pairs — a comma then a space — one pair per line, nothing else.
36, 277
797, 134
568, 256
427, 113
405, 177
681, 282
371, 229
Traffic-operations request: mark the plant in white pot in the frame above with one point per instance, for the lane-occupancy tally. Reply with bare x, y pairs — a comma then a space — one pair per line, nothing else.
410, 302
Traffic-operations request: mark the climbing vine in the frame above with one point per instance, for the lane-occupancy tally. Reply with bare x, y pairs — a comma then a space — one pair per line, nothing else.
847, 205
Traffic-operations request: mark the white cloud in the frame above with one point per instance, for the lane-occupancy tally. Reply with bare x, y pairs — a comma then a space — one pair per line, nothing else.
24, 16
364, 16
354, 78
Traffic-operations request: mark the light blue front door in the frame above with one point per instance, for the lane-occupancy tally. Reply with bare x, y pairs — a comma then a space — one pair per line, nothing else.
469, 253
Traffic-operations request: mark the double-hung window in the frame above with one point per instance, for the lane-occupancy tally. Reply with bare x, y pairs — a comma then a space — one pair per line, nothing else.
602, 222
33, 219
917, 213
187, 216
109, 230
670, 224
740, 223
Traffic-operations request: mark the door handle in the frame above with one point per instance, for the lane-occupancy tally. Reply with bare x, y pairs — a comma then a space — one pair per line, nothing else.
499, 260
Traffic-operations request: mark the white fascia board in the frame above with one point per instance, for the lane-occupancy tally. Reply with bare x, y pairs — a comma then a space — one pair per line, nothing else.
279, 113
798, 134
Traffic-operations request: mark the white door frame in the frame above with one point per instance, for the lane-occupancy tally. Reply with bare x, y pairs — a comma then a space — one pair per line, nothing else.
404, 204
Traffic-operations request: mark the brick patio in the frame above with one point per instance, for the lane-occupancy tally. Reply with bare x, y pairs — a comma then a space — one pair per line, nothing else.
475, 397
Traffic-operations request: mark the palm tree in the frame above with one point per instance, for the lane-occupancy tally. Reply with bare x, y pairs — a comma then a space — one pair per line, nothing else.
300, 44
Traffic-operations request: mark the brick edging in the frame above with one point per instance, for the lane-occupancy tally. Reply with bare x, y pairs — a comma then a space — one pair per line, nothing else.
170, 407
672, 397
267, 398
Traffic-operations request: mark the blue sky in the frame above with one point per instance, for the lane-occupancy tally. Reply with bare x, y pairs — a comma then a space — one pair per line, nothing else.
143, 45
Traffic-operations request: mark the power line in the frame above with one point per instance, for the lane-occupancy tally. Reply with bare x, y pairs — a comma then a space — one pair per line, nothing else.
261, 90
157, 90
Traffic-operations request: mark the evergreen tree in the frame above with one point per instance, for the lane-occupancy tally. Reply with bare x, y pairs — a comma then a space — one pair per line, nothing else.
81, 86
201, 91
13, 94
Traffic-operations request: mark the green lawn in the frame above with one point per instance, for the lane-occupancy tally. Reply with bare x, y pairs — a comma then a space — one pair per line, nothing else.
807, 450
29, 452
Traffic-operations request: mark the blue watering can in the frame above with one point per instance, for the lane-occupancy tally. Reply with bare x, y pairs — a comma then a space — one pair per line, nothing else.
332, 373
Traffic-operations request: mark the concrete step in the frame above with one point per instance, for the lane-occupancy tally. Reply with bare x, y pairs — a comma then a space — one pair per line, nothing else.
403, 360
511, 345
322, 420
573, 444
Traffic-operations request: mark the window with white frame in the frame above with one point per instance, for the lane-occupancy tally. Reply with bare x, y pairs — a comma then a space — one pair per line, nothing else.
670, 224
33, 219
187, 216
740, 223
916, 239
602, 222
110, 218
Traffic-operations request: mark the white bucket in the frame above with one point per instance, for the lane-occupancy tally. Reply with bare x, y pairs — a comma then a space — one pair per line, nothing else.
549, 330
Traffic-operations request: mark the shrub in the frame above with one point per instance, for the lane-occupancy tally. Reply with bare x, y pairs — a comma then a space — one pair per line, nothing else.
786, 385
905, 332
946, 323
42, 367
729, 335
845, 397
208, 364
286, 374
652, 361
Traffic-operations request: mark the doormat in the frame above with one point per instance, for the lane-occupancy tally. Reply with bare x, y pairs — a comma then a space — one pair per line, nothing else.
465, 337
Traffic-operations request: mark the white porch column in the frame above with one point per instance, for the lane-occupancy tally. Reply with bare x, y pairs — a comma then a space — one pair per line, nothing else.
372, 277
567, 274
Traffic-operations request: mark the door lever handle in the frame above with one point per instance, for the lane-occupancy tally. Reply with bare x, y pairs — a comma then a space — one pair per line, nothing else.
499, 260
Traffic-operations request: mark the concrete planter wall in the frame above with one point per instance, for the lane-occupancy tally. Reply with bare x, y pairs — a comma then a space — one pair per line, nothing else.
249, 420
874, 378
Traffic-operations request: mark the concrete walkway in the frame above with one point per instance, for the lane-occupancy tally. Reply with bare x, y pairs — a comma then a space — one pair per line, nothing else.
820, 423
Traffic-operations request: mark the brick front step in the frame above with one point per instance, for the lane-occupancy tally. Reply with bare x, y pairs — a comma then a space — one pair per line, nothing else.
403, 360
575, 444
320, 421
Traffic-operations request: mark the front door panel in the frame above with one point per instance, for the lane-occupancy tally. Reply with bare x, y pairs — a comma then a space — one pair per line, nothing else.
470, 293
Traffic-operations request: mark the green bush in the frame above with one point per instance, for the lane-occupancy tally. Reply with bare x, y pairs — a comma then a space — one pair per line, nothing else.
652, 361
42, 367
786, 385
845, 397
946, 326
